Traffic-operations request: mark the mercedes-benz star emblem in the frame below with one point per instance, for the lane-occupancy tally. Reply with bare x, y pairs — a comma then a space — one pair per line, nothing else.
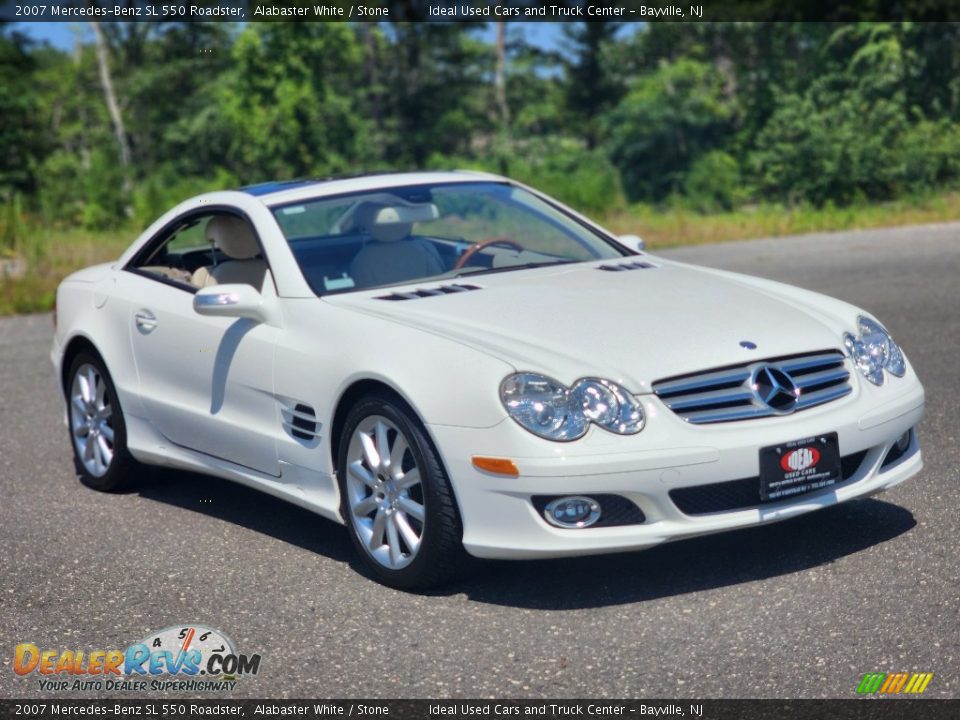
775, 389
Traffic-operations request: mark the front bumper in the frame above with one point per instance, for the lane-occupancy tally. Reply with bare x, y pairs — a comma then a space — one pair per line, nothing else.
500, 520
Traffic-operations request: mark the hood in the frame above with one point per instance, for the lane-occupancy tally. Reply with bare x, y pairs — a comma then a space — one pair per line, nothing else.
633, 326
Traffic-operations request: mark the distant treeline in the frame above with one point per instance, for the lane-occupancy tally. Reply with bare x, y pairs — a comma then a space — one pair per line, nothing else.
137, 116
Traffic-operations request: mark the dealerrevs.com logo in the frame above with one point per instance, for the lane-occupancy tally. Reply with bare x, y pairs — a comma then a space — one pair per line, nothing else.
188, 658
894, 683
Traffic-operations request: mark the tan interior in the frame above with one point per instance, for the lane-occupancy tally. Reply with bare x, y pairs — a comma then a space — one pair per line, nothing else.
235, 239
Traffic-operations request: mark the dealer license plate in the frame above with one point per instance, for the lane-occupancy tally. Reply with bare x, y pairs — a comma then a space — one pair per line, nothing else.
799, 467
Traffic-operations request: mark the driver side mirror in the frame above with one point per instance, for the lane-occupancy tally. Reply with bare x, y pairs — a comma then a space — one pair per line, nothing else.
634, 242
233, 300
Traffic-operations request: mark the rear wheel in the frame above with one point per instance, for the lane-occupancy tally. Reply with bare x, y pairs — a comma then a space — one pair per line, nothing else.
396, 497
97, 430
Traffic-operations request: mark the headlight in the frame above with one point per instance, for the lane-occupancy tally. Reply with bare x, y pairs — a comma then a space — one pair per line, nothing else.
873, 351
549, 409
608, 405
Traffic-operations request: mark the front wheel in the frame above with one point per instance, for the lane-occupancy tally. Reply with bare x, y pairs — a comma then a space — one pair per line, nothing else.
97, 430
396, 498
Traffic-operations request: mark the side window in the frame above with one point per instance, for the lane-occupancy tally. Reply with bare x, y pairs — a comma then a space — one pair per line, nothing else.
203, 250
190, 237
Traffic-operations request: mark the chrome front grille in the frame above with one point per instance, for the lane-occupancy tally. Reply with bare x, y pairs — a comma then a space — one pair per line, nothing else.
735, 393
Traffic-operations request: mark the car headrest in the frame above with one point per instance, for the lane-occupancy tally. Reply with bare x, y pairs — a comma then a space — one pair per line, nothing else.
233, 236
389, 223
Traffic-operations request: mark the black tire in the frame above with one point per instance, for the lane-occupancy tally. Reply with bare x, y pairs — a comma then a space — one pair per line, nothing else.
121, 466
440, 557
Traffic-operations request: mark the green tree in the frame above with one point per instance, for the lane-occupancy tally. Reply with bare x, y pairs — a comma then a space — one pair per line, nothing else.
535, 89
843, 138
80, 177
933, 71
440, 98
667, 120
172, 95
714, 182
592, 85
21, 133
716, 112
289, 101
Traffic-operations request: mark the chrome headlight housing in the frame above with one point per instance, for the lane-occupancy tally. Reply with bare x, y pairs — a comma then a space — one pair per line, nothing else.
549, 409
874, 352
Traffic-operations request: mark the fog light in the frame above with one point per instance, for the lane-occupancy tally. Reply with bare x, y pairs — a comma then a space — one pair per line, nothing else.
572, 512
903, 442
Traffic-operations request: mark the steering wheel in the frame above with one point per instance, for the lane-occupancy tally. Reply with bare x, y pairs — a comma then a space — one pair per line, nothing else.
482, 245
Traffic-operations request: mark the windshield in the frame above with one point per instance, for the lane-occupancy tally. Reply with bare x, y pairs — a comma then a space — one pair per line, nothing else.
427, 232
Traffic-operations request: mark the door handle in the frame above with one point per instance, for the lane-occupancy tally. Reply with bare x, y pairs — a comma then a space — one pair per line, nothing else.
146, 321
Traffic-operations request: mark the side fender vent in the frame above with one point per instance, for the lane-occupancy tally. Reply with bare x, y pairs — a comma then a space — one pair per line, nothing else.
429, 292
300, 421
631, 265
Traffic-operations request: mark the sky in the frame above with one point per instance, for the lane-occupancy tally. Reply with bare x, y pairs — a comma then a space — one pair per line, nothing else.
59, 35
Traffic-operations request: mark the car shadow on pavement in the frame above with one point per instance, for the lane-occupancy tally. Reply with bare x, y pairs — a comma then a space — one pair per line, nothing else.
703, 563
246, 507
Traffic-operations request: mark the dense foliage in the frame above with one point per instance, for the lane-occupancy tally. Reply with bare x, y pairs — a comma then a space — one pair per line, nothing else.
711, 116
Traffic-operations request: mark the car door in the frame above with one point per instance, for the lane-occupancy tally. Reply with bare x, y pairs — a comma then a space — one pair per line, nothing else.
206, 383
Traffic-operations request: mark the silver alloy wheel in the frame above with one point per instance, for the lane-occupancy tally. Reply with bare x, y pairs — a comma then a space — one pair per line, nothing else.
384, 493
91, 420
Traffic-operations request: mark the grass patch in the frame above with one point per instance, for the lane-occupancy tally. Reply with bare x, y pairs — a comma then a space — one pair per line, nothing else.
51, 253
662, 228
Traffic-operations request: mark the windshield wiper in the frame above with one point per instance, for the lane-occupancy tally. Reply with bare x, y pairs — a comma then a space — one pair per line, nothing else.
507, 268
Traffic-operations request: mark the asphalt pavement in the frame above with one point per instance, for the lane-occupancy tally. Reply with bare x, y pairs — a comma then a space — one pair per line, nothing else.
799, 609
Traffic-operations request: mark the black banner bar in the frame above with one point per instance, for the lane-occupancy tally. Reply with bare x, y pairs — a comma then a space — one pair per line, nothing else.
476, 10
863, 709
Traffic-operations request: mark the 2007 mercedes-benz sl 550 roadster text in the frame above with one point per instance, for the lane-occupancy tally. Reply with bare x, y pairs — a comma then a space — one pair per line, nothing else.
454, 364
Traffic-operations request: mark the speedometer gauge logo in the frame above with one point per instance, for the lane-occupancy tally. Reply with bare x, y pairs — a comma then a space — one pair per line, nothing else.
206, 647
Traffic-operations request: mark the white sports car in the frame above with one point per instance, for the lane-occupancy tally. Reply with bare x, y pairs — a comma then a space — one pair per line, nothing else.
453, 364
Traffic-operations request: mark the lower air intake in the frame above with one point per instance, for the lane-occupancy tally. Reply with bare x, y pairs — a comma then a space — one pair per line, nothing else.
741, 494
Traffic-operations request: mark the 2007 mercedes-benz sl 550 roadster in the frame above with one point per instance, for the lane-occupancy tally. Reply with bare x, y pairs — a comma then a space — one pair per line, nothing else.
453, 365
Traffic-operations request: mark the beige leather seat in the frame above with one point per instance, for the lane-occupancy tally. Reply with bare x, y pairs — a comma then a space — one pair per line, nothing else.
235, 239
393, 256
